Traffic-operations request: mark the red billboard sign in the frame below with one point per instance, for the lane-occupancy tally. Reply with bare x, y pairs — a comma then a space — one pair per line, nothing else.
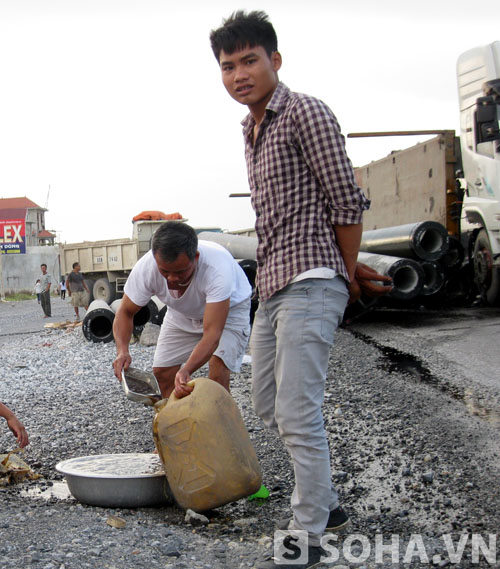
12, 236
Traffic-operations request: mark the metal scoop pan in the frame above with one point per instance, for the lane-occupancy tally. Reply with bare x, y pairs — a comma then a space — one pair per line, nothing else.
140, 386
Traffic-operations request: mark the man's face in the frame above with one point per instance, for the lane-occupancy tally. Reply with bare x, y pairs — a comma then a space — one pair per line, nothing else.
44, 269
250, 75
179, 272
77, 268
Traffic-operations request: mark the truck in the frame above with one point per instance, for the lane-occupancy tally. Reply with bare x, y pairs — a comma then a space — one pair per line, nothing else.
454, 180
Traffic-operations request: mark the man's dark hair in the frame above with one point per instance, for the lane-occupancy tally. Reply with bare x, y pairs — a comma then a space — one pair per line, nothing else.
75, 264
243, 30
173, 238
43, 265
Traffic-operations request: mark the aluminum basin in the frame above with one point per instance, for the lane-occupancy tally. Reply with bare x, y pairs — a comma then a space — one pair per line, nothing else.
117, 480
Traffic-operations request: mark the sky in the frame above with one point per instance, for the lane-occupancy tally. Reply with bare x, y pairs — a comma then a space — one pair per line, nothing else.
112, 107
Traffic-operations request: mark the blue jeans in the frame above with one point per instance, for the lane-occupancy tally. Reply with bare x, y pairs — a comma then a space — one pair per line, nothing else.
290, 343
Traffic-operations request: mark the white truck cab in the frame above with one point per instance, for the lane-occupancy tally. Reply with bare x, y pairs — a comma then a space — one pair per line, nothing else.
478, 76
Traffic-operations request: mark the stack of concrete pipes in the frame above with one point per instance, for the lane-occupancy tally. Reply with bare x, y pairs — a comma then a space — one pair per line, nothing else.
424, 262
419, 257
97, 325
409, 254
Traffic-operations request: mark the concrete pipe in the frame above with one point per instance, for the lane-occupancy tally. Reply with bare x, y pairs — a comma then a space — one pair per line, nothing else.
240, 246
249, 267
158, 312
433, 278
161, 316
141, 317
426, 240
458, 290
97, 325
407, 275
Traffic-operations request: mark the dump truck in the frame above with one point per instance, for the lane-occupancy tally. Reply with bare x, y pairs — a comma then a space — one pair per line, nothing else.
450, 179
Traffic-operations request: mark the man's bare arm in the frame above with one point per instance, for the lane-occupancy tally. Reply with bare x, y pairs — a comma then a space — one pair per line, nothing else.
214, 321
348, 241
123, 326
363, 278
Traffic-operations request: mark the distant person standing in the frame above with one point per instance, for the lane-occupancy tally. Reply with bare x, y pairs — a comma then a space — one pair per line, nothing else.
45, 282
62, 288
77, 289
38, 290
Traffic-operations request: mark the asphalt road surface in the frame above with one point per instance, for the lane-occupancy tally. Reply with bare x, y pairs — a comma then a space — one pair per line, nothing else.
455, 350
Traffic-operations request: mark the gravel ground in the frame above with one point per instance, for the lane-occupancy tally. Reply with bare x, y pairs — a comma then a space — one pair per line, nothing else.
408, 459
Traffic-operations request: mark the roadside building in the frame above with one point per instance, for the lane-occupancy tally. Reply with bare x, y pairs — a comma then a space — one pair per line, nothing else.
25, 244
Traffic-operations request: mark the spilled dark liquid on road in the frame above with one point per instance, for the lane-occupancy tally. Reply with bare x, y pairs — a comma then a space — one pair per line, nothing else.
396, 361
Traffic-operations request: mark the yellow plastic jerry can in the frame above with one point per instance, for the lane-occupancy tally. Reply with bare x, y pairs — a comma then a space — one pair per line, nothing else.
205, 449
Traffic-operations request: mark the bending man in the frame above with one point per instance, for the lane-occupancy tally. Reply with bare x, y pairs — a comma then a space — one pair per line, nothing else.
208, 317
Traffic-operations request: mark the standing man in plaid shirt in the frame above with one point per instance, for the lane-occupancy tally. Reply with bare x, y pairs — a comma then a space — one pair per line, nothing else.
309, 222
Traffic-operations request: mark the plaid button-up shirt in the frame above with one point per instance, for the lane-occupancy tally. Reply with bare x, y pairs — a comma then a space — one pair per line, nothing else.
302, 184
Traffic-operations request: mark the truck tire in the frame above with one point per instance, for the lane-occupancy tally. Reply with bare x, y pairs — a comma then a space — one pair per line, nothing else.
104, 290
486, 277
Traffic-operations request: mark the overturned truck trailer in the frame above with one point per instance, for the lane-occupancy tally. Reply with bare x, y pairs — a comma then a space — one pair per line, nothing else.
421, 182
418, 186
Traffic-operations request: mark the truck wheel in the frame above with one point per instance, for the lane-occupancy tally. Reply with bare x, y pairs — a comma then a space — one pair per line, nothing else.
104, 290
486, 277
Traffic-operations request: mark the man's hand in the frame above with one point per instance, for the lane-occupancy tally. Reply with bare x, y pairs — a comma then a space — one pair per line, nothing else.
181, 384
122, 362
365, 282
354, 291
214, 321
123, 324
18, 430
